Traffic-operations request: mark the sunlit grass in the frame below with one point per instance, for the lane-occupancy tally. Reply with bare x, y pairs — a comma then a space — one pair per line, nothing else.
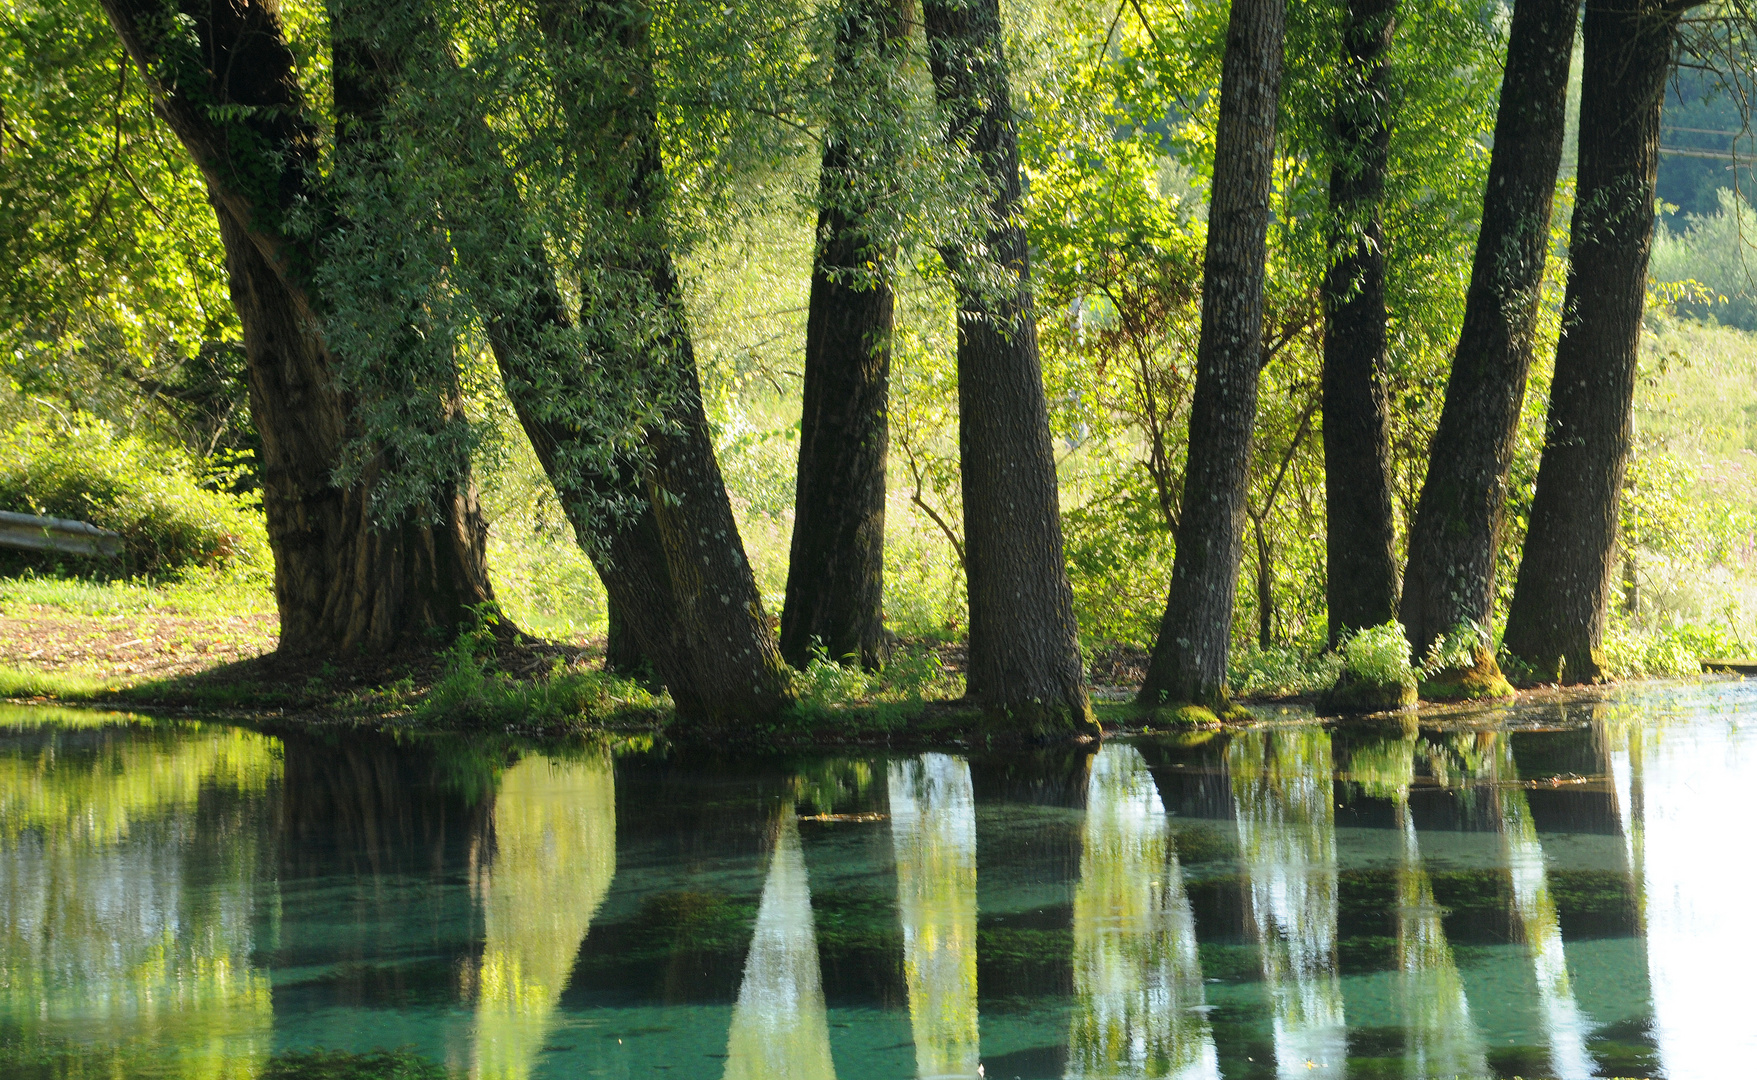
195, 593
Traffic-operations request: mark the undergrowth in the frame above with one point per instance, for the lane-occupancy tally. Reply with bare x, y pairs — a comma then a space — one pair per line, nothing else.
472, 691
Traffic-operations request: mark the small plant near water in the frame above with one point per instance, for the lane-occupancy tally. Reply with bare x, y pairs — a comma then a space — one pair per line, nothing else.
1376, 673
1461, 666
470, 691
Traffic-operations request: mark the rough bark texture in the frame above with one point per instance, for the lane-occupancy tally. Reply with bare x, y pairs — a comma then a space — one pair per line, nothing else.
1452, 543
1189, 657
835, 575
1361, 580
1024, 646
341, 580
1556, 623
675, 570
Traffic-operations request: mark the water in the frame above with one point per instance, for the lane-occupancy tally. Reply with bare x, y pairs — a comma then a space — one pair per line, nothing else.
1561, 891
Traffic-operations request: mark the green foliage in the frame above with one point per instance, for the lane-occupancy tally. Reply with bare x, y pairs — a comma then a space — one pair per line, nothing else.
1378, 655
149, 494
911, 676
471, 692
1456, 650
404, 1064
1281, 670
1712, 250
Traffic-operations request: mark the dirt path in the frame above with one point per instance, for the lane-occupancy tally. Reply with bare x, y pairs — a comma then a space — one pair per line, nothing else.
130, 646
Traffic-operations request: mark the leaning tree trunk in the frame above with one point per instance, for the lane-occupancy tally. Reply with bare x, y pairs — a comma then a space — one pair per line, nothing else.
1556, 623
1361, 579
675, 566
836, 573
1024, 668
342, 580
1189, 657
1451, 576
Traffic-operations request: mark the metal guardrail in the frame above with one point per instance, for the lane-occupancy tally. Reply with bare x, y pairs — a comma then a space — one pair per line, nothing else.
31, 533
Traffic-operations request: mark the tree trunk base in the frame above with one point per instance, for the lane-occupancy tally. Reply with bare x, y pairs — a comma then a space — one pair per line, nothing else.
1190, 716
1354, 696
1481, 681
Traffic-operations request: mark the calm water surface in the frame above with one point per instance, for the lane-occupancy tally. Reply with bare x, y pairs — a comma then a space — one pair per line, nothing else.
1561, 891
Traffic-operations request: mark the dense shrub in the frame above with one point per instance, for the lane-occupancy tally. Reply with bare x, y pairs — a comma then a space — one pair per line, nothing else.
149, 494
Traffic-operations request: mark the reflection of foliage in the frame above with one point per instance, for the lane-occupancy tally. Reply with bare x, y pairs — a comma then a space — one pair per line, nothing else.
103, 836
1281, 785
933, 833
553, 857
1137, 977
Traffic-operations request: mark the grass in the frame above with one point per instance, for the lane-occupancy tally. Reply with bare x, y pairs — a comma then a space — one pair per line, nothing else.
198, 592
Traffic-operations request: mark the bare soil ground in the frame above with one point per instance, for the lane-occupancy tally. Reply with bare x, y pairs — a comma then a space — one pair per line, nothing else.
132, 646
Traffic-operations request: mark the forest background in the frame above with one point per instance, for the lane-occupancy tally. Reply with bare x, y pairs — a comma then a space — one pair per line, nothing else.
124, 403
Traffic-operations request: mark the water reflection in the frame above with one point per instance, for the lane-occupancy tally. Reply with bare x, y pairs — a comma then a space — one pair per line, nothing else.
1138, 1008
1686, 789
933, 837
779, 1029
1282, 788
1534, 907
1440, 1039
129, 877
553, 856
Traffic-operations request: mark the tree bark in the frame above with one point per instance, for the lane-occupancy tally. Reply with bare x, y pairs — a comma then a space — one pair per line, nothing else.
1025, 667
1361, 578
1557, 619
835, 575
342, 581
1189, 657
1451, 575
674, 566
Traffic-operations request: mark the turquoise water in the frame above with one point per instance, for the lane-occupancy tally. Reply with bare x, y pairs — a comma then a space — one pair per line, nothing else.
1554, 891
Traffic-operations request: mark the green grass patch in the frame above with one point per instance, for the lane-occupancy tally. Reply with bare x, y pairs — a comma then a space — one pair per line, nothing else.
197, 592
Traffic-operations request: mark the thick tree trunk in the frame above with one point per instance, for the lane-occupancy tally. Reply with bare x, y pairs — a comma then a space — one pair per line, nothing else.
835, 576
1451, 576
1361, 580
1189, 657
1556, 623
622, 650
674, 567
341, 580
1025, 665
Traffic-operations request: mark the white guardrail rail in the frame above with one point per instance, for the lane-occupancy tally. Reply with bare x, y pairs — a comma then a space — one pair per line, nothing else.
56, 534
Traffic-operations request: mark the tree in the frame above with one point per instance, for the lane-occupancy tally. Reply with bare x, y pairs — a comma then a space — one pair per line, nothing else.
835, 576
224, 79
611, 400
1189, 656
1361, 583
1557, 618
1025, 660
1449, 582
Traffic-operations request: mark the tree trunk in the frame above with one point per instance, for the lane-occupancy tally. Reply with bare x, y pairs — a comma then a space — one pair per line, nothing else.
1189, 657
1025, 667
342, 580
622, 651
835, 576
1265, 590
1361, 579
1556, 623
674, 565
1451, 576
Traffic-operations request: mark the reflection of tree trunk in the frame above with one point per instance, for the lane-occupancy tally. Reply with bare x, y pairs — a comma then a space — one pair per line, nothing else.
1534, 909
835, 577
933, 834
1282, 787
779, 1025
1361, 579
1024, 646
1453, 540
1557, 618
1189, 657
341, 579
1137, 977
553, 856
